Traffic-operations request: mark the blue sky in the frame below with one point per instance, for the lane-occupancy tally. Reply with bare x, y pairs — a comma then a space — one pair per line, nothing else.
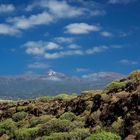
73, 37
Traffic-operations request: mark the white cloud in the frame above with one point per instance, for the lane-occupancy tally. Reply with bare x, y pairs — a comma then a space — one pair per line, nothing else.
82, 70
39, 47
54, 10
120, 1
95, 50
81, 28
63, 9
91, 7
128, 62
125, 34
60, 9
52, 45
106, 34
103, 75
98, 12
51, 50
74, 52
31, 21
6, 29
38, 65
64, 39
63, 54
74, 46
6, 8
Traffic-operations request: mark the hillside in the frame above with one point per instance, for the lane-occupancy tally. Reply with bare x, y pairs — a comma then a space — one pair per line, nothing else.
109, 114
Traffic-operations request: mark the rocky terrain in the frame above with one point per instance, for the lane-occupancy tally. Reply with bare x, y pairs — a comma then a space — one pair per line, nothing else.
109, 114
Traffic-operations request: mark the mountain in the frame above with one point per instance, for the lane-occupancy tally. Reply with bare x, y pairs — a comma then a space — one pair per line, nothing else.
51, 83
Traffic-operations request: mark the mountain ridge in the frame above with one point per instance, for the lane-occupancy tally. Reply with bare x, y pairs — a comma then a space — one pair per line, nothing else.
51, 83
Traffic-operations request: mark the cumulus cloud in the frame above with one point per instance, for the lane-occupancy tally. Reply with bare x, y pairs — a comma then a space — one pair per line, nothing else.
63, 54
31, 21
95, 50
64, 39
103, 75
52, 45
82, 70
120, 1
74, 46
39, 47
53, 11
6, 29
6, 8
63, 9
59, 9
52, 50
81, 28
38, 65
106, 34
128, 62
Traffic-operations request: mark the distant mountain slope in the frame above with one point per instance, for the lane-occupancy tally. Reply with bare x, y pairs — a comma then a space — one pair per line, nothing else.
52, 83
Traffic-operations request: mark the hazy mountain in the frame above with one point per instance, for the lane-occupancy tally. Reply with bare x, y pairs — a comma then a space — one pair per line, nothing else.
52, 83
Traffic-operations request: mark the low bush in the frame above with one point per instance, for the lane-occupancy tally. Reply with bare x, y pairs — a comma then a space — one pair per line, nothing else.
117, 125
7, 127
115, 86
64, 96
103, 135
26, 133
19, 116
77, 134
40, 120
68, 116
44, 99
56, 125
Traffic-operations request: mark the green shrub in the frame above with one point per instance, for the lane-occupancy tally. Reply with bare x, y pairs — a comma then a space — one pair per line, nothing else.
68, 116
117, 125
77, 134
19, 116
91, 92
12, 110
105, 97
115, 86
26, 133
56, 125
40, 120
135, 75
89, 105
7, 127
22, 108
43, 99
103, 135
57, 136
64, 96
23, 124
